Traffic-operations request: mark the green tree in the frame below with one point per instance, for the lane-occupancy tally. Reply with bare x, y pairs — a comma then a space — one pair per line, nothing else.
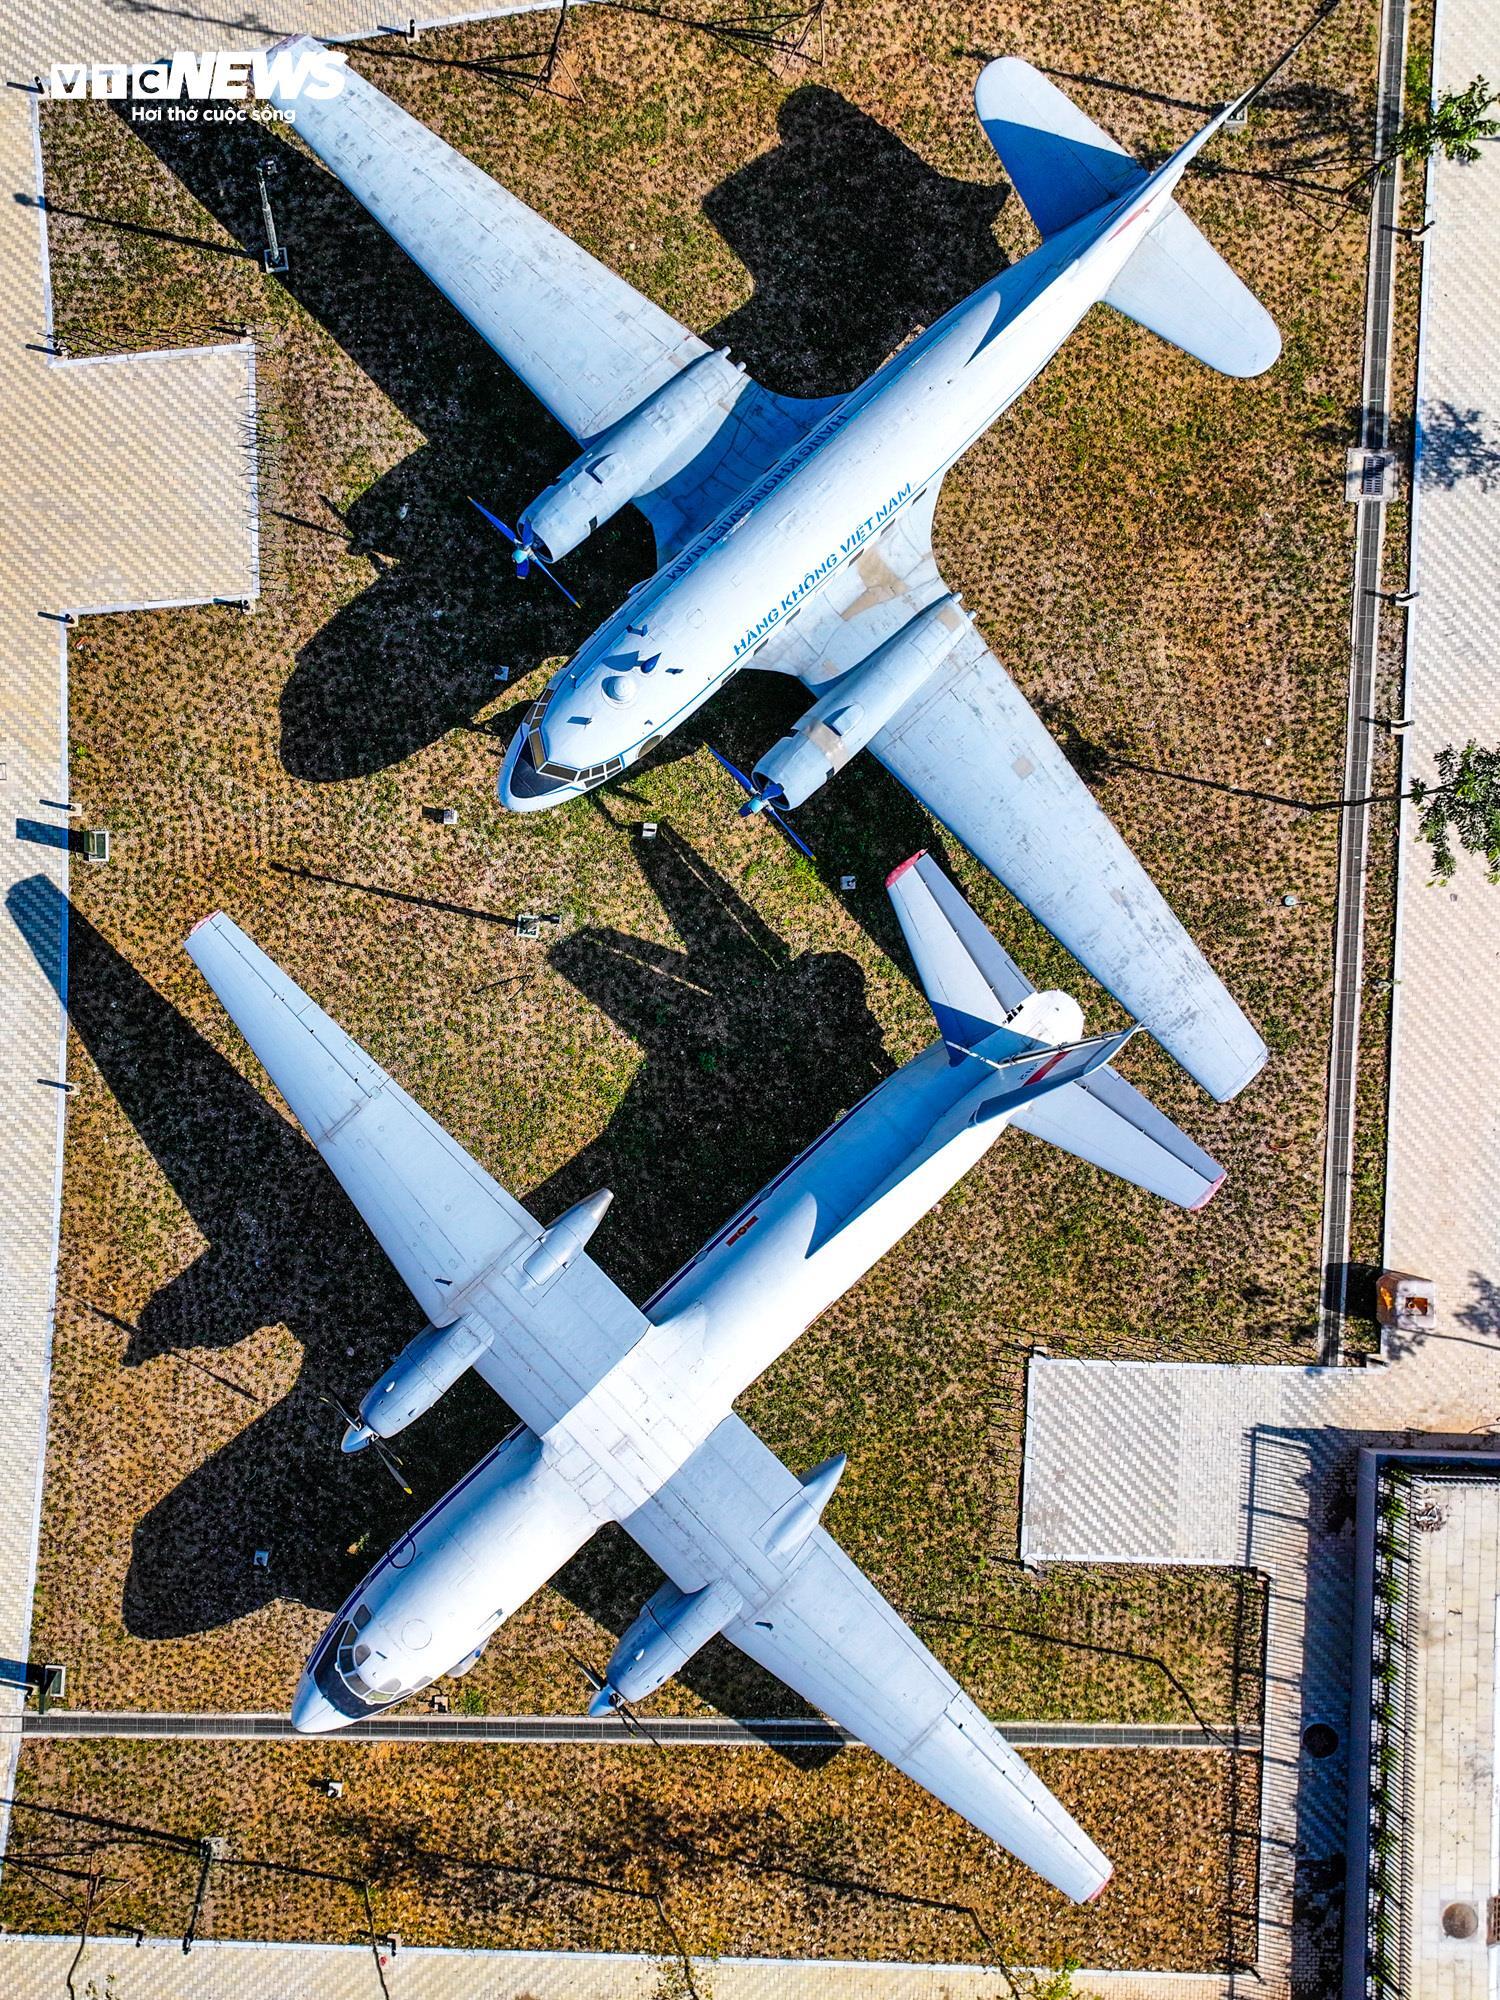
1464, 806
1453, 127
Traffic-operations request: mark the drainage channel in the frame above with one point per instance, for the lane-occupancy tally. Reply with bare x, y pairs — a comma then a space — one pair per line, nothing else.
779, 1732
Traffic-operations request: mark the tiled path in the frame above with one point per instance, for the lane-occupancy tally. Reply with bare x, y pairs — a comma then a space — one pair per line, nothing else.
123, 482
1450, 1801
1156, 1463
34, 1969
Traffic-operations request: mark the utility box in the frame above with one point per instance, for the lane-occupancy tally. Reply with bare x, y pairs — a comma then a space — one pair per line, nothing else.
96, 844
1404, 1303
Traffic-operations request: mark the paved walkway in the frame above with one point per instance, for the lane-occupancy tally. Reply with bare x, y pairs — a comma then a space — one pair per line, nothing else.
35, 1969
1144, 1462
652, 1730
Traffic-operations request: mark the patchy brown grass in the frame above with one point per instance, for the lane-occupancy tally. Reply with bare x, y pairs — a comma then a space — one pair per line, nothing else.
727, 1852
1162, 555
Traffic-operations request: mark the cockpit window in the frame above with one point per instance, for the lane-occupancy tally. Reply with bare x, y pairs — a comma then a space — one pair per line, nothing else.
349, 1657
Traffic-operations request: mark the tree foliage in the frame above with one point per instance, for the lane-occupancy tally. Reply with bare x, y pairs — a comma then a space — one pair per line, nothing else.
1453, 127
1464, 806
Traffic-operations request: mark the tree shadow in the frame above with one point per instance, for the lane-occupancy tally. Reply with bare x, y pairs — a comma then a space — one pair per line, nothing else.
852, 242
1456, 446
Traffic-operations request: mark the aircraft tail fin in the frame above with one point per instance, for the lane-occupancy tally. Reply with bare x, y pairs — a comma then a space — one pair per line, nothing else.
1107, 1122
1059, 161
1064, 167
1069, 1097
972, 982
1179, 286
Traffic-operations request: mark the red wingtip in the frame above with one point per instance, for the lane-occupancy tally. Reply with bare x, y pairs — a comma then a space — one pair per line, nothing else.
204, 920
1207, 1198
901, 867
1101, 1888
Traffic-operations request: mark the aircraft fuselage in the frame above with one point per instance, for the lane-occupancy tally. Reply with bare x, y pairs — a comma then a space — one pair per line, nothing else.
807, 1237
710, 610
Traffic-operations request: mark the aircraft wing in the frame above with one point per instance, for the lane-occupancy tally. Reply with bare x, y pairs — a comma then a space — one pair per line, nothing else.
969, 746
587, 344
816, 1621
435, 1212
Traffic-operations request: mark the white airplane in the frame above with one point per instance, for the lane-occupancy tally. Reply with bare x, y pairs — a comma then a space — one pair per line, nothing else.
626, 1414
796, 536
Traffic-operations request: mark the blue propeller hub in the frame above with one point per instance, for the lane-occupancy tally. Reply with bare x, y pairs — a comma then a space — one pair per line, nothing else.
763, 799
522, 554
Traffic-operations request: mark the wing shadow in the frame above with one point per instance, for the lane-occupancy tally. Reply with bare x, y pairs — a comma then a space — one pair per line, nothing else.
282, 1247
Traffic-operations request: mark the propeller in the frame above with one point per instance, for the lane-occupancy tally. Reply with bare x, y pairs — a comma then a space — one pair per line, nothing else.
618, 1705
382, 1450
762, 801
522, 554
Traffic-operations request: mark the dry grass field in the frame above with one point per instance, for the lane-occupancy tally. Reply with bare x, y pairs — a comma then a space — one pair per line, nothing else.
1161, 555
725, 1853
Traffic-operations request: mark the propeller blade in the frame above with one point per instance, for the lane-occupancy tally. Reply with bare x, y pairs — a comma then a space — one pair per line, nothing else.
790, 831
553, 580
618, 1704
760, 802
391, 1463
333, 1403
495, 522
733, 769
382, 1450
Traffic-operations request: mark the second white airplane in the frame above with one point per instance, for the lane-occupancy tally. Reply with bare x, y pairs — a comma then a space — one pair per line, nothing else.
626, 1413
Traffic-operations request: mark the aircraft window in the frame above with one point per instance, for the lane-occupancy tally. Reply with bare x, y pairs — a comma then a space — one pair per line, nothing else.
361, 1617
361, 1653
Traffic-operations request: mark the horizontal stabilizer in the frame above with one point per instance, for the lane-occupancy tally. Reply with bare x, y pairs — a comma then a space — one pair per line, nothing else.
1177, 284
972, 981
1060, 163
1107, 1122
1042, 1072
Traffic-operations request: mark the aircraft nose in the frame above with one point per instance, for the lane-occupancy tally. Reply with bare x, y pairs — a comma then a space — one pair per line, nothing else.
311, 1714
522, 787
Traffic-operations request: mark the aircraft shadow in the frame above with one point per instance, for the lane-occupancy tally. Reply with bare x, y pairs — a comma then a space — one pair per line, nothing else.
282, 1246
852, 242
750, 1052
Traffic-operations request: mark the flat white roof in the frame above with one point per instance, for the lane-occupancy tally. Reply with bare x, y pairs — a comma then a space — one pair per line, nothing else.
1450, 1863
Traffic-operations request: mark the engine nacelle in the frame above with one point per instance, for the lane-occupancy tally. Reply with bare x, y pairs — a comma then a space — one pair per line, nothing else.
656, 439
424, 1370
859, 704
555, 1249
673, 1626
